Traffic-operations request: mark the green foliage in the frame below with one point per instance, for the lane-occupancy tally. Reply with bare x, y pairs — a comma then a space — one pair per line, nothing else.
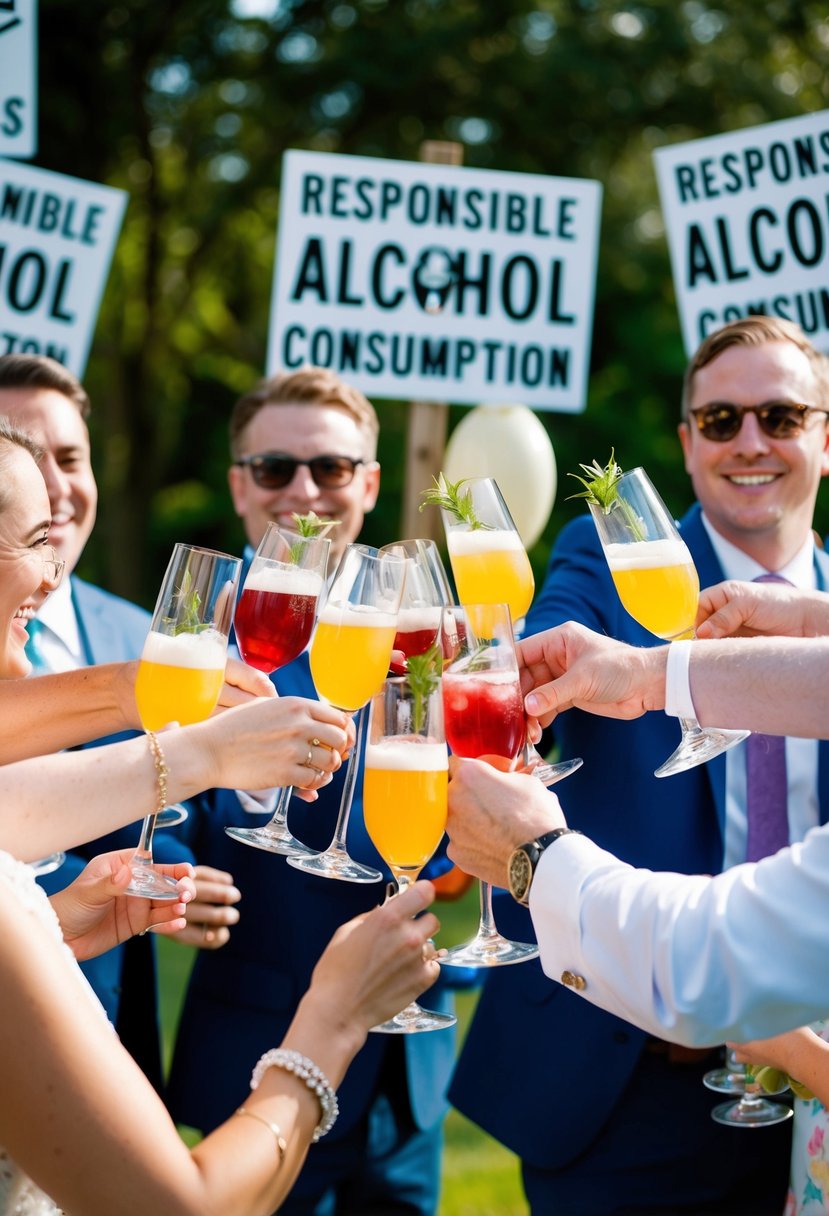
189, 106
449, 496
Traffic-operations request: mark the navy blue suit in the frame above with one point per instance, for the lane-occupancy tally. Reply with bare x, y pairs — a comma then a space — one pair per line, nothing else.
113, 630
560, 1082
241, 1000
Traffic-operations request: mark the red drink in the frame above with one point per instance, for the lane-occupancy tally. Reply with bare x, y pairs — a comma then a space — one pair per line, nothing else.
275, 616
483, 714
417, 630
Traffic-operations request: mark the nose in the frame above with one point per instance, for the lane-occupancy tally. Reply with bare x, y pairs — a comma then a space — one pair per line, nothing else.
751, 441
302, 484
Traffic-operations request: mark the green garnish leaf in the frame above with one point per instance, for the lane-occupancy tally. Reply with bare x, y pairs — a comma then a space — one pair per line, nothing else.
601, 489
187, 619
309, 526
449, 497
423, 673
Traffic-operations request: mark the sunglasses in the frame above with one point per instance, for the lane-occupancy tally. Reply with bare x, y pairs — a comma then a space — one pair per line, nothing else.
721, 421
275, 470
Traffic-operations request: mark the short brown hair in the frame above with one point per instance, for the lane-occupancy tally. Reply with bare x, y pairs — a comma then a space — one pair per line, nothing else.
308, 386
39, 371
757, 331
12, 436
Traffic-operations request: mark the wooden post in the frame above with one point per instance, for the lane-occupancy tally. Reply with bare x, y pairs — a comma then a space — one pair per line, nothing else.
428, 420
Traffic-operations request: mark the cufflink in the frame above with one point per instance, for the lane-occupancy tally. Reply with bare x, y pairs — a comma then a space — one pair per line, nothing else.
571, 980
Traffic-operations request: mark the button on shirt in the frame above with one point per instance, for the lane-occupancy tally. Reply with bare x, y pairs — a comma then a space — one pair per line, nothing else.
801, 754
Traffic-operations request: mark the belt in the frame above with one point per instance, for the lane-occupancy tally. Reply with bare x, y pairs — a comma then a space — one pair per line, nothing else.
675, 1053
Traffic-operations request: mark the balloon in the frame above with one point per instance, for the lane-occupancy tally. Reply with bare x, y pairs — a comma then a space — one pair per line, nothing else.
509, 443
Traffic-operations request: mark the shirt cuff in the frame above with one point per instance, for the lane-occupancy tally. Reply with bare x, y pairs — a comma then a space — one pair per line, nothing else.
678, 701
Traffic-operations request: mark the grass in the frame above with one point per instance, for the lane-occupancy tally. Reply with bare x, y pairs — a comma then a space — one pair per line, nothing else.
480, 1176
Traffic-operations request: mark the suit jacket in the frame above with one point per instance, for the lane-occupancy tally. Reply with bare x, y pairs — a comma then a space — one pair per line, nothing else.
577, 1050
113, 630
241, 999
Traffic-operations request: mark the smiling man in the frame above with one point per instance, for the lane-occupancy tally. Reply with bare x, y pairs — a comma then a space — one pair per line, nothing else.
635, 1133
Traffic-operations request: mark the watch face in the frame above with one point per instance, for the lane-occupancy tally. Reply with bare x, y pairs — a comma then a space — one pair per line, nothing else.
520, 874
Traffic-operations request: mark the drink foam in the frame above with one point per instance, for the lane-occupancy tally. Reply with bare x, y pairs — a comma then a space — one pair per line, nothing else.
648, 554
410, 756
206, 651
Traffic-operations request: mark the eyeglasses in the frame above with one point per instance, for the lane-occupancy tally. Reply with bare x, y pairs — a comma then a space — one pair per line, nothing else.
721, 421
53, 565
275, 470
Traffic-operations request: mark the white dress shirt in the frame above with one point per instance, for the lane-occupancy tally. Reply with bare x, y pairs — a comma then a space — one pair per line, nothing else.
60, 638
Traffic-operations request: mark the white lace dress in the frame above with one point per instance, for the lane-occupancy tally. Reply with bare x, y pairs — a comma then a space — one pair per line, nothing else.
18, 1194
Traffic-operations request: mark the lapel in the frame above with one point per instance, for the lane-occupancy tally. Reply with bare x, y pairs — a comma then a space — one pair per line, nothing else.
710, 571
96, 625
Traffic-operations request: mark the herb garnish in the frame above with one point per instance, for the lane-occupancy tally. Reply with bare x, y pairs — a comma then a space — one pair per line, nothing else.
601, 489
423, 676
449, 497
309, 526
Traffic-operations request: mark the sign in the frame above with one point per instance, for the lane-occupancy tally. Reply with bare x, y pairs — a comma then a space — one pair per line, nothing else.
747, 216
18, 78
57, 237
436, 283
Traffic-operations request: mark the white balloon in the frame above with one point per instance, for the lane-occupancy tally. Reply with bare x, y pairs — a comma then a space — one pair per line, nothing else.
509, 443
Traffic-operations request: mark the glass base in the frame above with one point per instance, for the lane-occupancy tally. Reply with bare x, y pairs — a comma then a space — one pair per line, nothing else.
697, 747
725, 1081
335, 863
47, 865
415, 1020
756, 1113
490, 951
272, 840
549, 774
171, 815
147, 883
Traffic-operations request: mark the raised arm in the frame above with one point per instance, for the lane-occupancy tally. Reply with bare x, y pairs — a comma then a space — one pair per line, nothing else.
741, 609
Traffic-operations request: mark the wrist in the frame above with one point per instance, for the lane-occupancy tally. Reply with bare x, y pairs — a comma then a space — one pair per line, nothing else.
654, 662
323, 1029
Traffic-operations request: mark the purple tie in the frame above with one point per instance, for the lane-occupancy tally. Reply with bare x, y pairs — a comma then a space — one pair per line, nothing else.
766, 788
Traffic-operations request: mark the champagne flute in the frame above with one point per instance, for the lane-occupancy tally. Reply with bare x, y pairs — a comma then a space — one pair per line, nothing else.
182, 668
491, 566
404, 799
483, 713
657, 582
350, 654
273, 624
425, 594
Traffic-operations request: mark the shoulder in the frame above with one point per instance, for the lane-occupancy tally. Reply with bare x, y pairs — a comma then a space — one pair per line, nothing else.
90, 598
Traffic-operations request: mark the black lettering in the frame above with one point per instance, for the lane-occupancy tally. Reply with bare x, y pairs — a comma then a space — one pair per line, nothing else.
804, 150
733, 181
473, 220
732, 272
532, 366
375, 343
491, 349
93, 215
823, 140
538, 217
61, 280
516, 264
338, 207
402, 363
516, 213
698, 259
753, 158
49, 212
685, 183
343, 296
566, 219
312, 185
556, 286
10, 25
464, 353
322, 347
311, 275
349, 351
708, 180
780, 162
480, 285
434, 357
559, 368
362, 188
446, 206
12, 198
18, 285
394, 300
289, 359
12, 122
705, 323
813, 232
418, 209
769, 265
390, 196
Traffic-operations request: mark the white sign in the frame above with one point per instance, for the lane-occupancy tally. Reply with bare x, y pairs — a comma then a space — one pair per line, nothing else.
18, 78
57, 237
748, 226
434, 283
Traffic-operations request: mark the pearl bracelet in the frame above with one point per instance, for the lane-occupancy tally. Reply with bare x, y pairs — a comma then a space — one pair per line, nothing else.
305, 1070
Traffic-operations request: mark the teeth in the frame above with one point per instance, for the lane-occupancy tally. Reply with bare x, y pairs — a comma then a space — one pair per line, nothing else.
752, 479
26, 614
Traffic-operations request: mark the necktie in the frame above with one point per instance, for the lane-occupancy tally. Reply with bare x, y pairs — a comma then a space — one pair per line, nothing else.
766, 788
34, 647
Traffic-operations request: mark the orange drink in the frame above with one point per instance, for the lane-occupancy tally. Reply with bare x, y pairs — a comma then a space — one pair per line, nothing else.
404, 800
658, 584
350, 653
179, 677
491, 567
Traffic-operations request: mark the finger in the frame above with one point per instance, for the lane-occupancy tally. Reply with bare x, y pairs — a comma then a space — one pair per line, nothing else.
212, 915
211, 893
414, 899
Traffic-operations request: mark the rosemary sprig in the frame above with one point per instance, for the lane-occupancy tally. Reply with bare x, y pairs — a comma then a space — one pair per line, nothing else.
309, 526
187, 619
423, 675
601, 489
449, 496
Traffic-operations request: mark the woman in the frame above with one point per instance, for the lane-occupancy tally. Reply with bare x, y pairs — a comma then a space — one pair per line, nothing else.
79, 1122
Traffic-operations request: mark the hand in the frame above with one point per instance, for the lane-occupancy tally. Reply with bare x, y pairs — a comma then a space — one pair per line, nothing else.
242, 683
780, 1051
376, 964
491, 813
739, 609
211, 912
570, 666
95, 915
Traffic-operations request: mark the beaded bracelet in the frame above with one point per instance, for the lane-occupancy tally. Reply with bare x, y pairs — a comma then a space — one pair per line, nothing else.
274, 1128
162, 772
305, 1070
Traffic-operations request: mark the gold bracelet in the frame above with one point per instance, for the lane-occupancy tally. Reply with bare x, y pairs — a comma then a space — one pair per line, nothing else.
161, 771
281, 1143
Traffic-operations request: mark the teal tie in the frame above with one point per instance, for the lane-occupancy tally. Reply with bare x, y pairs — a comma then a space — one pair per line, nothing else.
34, 647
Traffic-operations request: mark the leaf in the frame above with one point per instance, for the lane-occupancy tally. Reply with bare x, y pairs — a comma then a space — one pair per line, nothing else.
449, 497
423, 676
187, 619
601, 489
309, 526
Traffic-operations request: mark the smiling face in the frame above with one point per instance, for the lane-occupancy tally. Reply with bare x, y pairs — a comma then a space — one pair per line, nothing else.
56, 424
305, 431
24, 524
759, 493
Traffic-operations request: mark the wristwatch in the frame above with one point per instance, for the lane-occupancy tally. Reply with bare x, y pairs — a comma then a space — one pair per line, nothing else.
524, 860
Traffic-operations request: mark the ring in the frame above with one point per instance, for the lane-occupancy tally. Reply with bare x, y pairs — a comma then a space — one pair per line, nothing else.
314, 742
309, 758
141, 932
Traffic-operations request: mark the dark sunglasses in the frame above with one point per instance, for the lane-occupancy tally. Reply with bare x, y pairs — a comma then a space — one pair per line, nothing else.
275, 470
721, 421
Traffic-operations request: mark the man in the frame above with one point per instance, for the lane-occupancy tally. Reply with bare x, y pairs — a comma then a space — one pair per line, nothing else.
694, 958
635, 1132
302, 442
80, 624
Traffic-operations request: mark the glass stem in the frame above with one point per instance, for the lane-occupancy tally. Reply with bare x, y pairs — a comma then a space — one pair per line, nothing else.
280, 811
144, 852
338, 843
690, 726
487, 926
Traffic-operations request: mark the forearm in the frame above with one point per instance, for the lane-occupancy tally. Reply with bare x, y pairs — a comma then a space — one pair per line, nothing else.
51, 712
